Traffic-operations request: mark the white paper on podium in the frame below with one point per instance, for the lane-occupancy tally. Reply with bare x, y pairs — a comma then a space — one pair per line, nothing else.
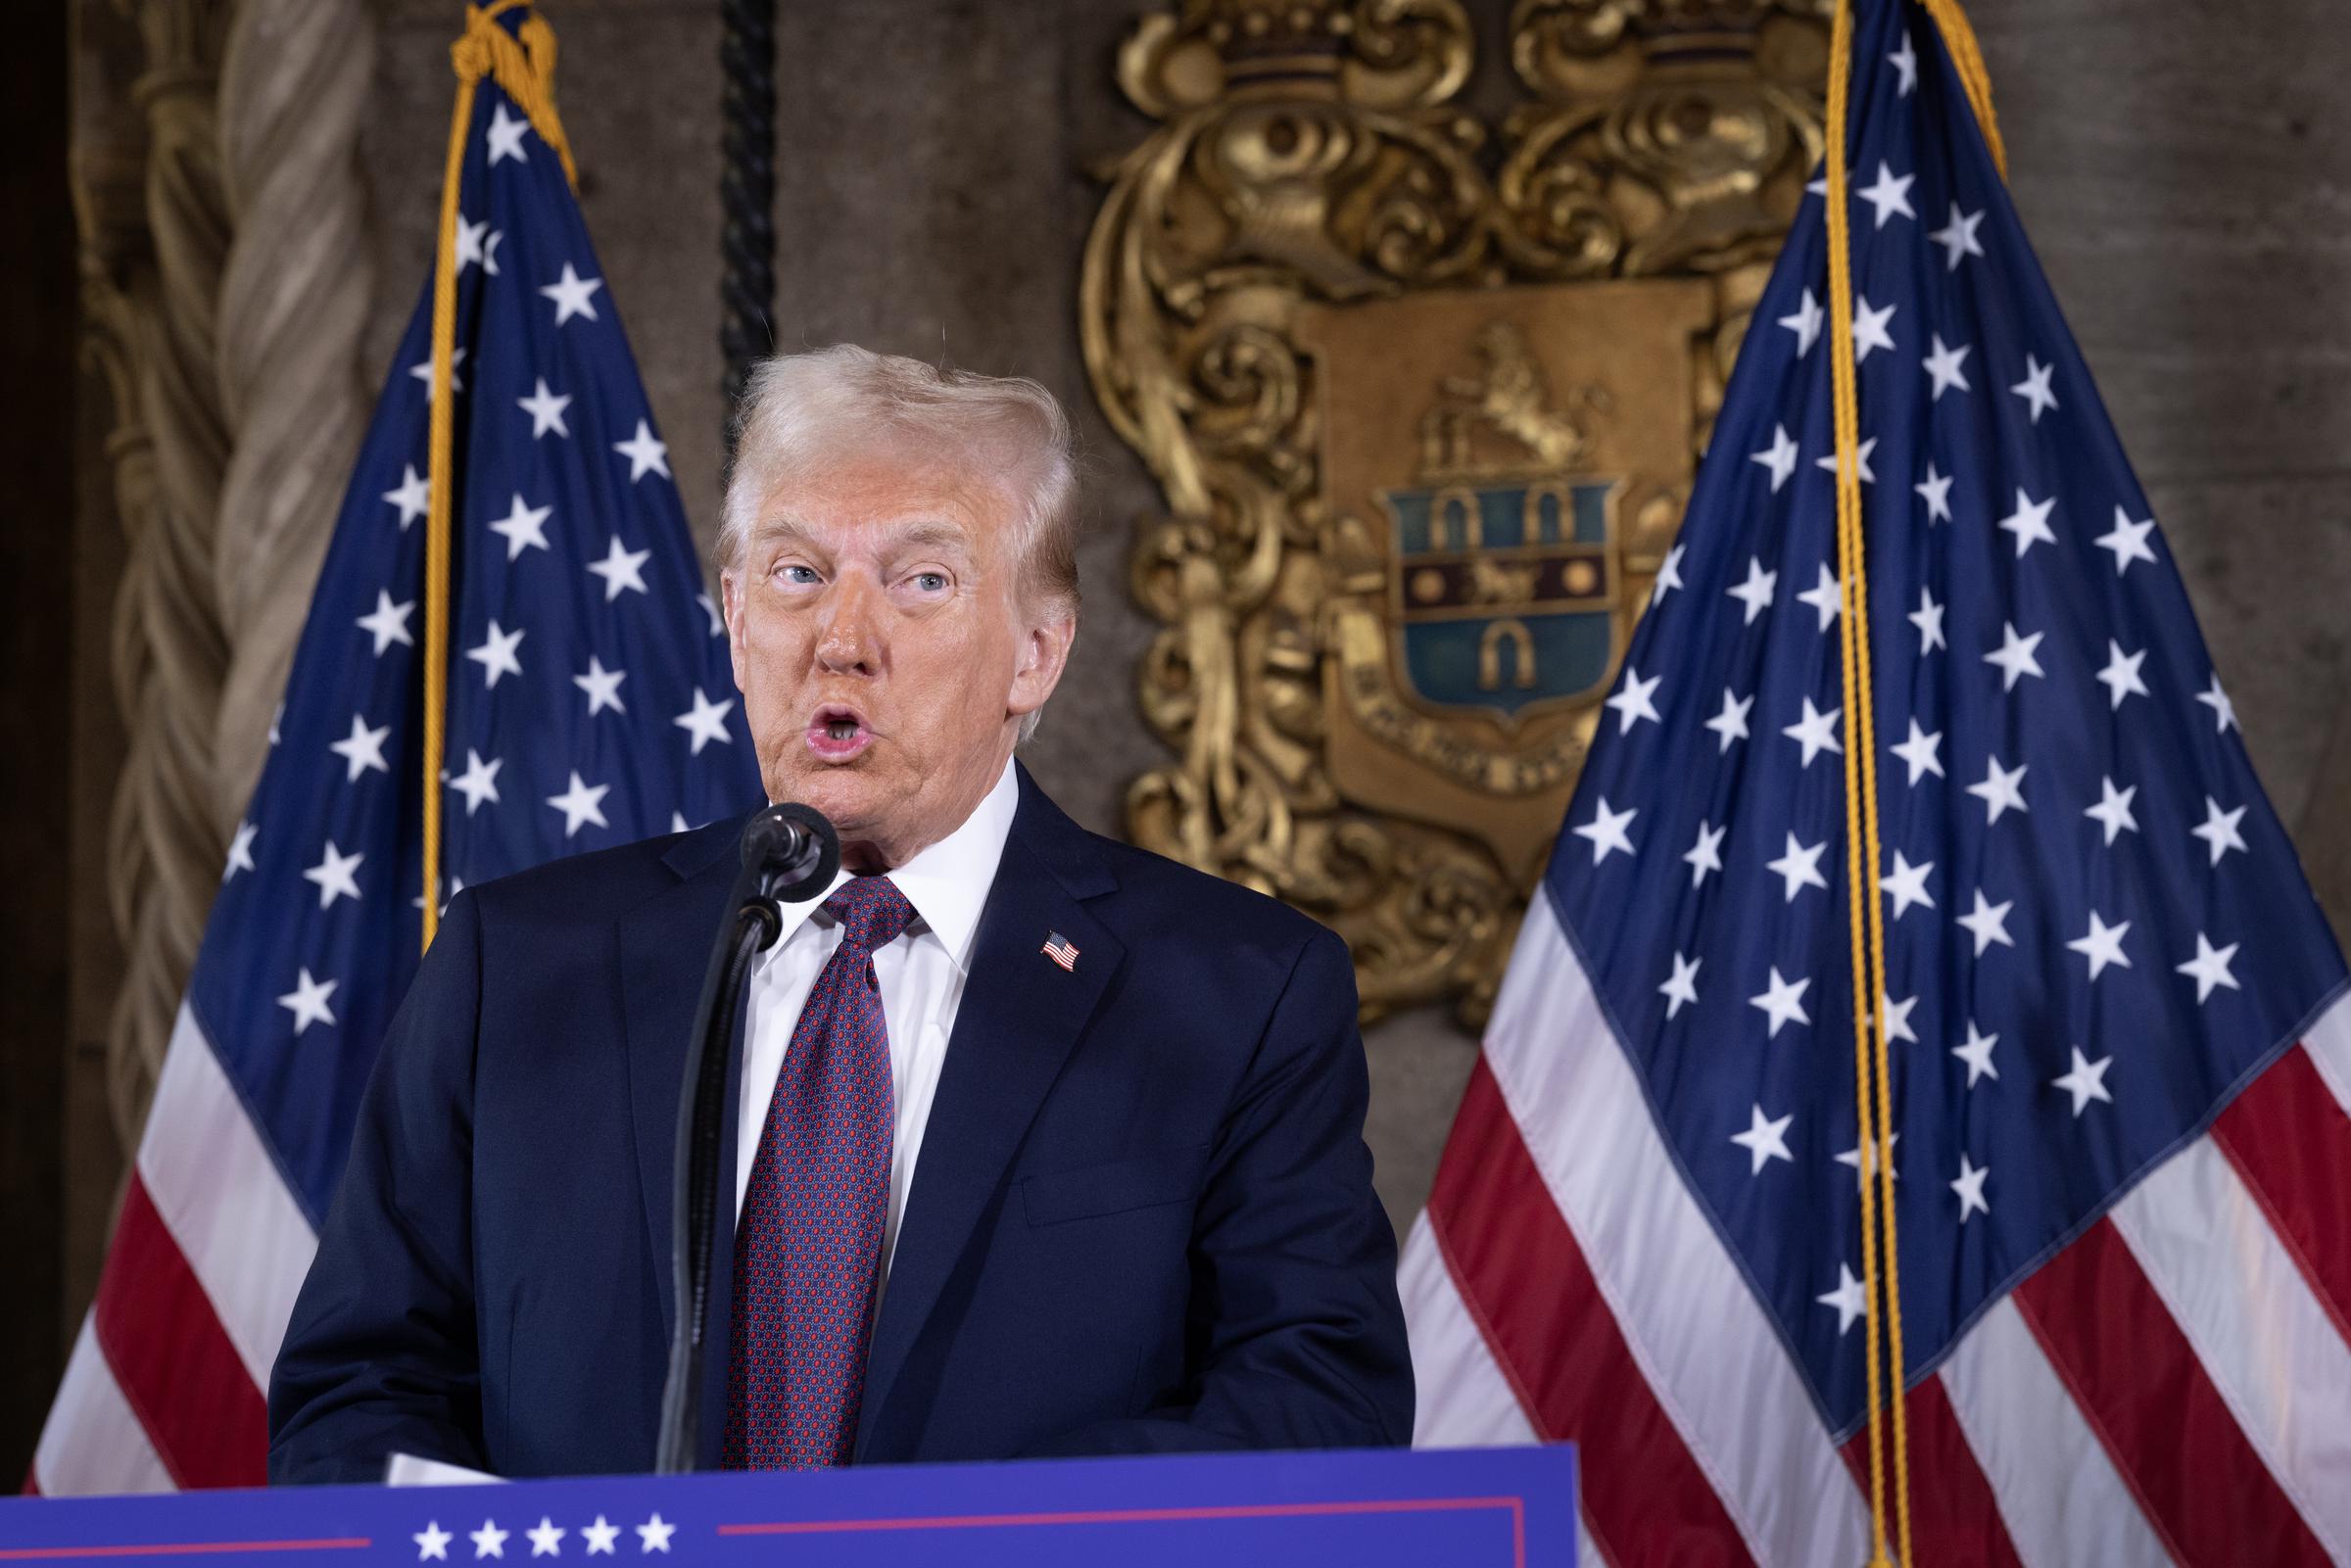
409, 1470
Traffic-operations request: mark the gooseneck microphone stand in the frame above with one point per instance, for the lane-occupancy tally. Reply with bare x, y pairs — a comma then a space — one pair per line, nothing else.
788, 852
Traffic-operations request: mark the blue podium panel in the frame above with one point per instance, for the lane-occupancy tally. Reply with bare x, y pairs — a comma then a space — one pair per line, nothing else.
1465, 1508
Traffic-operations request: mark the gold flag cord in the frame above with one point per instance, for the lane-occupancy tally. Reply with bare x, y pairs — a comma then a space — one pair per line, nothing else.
1968, 60
524, 70
1861, 838
1881, 1275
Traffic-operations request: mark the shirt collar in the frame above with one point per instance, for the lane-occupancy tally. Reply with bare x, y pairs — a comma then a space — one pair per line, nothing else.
947, 883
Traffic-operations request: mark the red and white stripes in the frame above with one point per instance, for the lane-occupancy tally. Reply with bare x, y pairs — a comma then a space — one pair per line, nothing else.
2176, 1386
167, 1380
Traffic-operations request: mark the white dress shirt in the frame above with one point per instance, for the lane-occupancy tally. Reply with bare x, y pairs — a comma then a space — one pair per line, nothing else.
922, 974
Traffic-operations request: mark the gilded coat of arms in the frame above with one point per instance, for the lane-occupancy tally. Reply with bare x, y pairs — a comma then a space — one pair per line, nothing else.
1424, 402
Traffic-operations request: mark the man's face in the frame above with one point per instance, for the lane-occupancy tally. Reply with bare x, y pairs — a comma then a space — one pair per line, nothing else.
882, 647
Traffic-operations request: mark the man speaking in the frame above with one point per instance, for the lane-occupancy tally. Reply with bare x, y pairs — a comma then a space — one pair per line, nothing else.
1043, 1145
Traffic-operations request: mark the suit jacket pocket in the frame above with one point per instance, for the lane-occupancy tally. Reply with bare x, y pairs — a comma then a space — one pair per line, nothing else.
1138, 1181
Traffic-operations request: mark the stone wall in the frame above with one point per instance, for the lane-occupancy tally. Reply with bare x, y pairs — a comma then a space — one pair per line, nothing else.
2186, 174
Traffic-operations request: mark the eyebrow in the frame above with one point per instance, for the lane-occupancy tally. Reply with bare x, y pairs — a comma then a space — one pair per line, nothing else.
931, 530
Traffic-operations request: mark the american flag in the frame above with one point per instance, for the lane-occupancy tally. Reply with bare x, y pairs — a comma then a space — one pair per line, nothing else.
589, 703
2121, 1062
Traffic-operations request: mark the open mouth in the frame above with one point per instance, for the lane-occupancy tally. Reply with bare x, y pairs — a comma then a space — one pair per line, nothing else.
837, 732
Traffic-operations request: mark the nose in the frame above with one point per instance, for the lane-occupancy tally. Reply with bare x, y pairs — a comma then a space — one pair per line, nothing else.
850, 641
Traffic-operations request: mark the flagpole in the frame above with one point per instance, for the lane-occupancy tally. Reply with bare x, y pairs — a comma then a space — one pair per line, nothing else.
524, 68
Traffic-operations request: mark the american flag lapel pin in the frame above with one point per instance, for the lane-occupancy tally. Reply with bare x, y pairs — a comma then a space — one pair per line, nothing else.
1061, 950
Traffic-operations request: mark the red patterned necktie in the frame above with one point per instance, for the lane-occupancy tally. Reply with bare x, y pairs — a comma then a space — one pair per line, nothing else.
809, 1240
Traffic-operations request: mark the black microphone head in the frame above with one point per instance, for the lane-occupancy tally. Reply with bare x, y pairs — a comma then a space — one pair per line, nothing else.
795, 849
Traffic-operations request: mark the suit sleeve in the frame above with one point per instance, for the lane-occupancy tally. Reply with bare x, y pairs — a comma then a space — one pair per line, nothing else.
381, 1356
1295, 1332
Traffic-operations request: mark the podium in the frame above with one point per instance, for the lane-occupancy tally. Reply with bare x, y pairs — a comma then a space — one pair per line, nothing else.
1461, 1507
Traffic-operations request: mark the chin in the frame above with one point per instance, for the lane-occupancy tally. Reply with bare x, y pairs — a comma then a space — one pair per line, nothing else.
848, 796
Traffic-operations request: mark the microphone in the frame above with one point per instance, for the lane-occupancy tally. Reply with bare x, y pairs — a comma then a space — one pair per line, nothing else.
791, 849
788, 852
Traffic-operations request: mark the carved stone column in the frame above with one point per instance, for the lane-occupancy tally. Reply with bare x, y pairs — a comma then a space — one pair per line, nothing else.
294, 293
152, 301
224, 301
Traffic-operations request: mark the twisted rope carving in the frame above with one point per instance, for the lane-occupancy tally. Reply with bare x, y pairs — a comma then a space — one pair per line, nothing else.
293, 306
170, 448
747, 189
115, 310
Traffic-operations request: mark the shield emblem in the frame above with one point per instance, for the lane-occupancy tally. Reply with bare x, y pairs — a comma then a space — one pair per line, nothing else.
1501, 494
1503, 595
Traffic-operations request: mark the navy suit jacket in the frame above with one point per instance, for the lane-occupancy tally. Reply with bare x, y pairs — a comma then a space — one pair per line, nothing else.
1142, 1217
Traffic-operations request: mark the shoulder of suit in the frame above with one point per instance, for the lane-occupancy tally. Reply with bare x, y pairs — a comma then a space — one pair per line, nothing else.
1170, 899
593, 888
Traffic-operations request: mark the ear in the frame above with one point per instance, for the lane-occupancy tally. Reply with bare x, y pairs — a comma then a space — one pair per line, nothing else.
731, 599
1044, 653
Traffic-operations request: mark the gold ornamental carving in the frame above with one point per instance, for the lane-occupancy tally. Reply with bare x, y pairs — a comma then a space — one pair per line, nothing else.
1423, 395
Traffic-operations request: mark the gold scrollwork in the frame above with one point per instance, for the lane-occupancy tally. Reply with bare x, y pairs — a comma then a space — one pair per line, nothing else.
1310, 155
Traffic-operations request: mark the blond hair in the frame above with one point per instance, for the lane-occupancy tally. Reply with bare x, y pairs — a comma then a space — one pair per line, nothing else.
799, 406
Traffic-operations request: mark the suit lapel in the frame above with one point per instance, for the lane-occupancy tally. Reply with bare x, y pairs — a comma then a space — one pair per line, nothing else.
1020, 1016
664, 944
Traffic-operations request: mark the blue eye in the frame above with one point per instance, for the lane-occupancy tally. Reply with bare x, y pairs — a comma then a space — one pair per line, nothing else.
931, 582
799, 574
